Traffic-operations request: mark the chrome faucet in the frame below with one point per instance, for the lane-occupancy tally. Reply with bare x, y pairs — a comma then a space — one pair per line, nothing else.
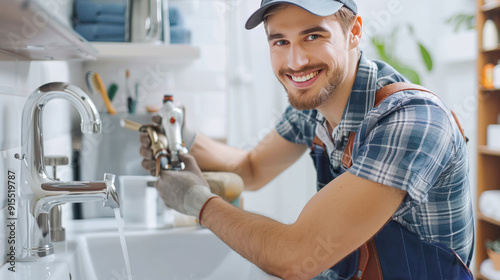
38, 192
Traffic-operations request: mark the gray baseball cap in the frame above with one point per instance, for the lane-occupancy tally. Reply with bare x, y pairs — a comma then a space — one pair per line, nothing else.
321, 8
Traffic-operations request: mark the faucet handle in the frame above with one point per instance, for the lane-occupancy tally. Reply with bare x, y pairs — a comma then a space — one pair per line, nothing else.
112, 199
55, 161
109, 177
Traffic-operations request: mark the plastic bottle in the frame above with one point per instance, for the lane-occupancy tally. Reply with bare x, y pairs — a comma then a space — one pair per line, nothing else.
490, 35
488, 76
496, 75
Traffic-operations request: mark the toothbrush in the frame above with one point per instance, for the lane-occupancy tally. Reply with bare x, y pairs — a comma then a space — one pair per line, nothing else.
130, 100
95, 84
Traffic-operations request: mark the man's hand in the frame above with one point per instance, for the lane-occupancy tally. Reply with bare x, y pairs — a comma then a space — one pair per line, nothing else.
185, 191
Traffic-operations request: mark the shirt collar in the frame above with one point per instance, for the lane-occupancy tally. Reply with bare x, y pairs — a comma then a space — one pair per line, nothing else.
362, 97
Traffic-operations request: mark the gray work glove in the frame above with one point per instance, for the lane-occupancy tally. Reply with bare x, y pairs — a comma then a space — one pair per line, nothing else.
185, 191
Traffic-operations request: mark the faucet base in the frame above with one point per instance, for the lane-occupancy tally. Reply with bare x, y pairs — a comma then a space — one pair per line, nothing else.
37, 254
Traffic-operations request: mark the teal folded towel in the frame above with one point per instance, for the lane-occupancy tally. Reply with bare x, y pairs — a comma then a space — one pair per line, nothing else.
101, 32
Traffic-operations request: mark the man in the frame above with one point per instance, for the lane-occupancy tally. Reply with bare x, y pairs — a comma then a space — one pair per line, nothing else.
403, 208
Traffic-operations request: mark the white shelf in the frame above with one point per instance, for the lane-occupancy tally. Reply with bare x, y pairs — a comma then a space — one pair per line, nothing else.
147, 52
30, 30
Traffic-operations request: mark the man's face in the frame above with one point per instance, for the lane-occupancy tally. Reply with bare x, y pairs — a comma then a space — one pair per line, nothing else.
308, 55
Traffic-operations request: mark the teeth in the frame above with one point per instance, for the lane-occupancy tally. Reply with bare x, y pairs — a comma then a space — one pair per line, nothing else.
305, 78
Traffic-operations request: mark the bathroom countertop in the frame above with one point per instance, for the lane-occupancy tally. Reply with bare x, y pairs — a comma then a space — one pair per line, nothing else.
91, 251
58, 266
53, 268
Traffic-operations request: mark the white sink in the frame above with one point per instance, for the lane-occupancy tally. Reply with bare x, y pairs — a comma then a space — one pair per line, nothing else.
92, 251
183, 253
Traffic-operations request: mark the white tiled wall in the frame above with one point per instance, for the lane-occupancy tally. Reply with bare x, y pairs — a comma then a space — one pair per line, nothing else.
17, 80
201, 87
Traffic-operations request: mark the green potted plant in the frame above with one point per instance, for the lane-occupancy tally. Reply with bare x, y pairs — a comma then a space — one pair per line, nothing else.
462, 21
386, 50
493, 250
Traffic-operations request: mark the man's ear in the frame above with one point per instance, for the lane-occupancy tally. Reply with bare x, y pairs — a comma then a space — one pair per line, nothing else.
356, 32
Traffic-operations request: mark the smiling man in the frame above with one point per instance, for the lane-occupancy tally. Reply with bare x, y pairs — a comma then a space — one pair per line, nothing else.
393, 197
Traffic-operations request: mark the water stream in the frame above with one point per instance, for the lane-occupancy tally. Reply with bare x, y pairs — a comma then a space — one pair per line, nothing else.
119, 221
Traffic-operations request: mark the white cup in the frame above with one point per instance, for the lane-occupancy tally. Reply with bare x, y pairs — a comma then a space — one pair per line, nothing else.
141, 206
493, 137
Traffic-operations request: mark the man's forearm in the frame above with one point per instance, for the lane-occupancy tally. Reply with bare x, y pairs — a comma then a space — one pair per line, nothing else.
263, 241
214, 156
257, 167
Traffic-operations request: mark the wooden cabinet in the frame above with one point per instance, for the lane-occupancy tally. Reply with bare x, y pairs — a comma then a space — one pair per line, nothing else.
488, 161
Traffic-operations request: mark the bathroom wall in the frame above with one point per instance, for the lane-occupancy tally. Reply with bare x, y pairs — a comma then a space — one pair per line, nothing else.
17, 80
200, 86
454, 53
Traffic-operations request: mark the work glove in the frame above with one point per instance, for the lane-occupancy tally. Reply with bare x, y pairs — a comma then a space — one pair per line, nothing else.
185, 191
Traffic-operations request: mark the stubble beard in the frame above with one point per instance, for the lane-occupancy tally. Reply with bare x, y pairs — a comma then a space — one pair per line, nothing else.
323, 95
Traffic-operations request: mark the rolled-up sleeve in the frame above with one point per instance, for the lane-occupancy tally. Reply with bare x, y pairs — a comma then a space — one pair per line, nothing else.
297, 126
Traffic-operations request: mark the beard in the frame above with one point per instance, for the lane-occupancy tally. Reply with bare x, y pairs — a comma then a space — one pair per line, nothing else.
299, 99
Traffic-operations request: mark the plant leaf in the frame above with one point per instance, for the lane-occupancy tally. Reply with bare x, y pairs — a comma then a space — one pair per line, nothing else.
411, 29
471, 22
380, 46
459, 21
426, 56
409, 73
392, 42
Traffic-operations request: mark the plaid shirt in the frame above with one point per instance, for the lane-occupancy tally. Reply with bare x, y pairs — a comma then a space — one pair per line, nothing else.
411, 142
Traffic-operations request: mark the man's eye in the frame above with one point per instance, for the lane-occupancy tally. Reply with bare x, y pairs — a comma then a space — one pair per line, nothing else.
312, 37
281, 43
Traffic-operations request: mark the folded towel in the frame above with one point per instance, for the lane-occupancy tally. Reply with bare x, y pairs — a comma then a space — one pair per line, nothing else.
486, 269
489, 204
101, 32
175, 16
180, 35
91, 12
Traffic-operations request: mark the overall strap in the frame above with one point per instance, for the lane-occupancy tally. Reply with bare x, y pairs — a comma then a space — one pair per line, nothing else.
380, 96
365, 263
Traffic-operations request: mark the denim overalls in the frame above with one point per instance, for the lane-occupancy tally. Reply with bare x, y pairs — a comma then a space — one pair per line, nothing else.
394, 252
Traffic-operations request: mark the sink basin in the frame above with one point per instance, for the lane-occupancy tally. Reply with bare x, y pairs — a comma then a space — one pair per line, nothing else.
182, 253
93, 251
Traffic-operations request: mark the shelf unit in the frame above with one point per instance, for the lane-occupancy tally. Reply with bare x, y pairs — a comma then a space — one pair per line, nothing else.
175, 54
488, 161
30, 30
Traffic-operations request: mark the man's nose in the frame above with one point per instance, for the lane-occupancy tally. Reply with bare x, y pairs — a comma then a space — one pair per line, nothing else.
297, 57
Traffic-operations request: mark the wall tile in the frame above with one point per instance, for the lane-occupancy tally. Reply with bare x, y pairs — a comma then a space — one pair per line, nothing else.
11, 107
3, 235
3, 176
7, 163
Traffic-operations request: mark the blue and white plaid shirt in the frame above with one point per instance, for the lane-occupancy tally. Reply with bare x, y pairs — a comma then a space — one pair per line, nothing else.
411, 142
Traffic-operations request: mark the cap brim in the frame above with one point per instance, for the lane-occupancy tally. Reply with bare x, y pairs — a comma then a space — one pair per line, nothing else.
320, 8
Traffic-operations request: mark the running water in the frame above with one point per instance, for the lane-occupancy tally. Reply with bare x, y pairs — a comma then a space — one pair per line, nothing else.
119, 221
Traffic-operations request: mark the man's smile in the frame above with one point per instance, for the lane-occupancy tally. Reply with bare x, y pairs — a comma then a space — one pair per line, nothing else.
304, 79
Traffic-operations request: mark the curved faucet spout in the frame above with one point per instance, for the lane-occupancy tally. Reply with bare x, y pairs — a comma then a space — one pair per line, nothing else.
32, 121
38, 192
